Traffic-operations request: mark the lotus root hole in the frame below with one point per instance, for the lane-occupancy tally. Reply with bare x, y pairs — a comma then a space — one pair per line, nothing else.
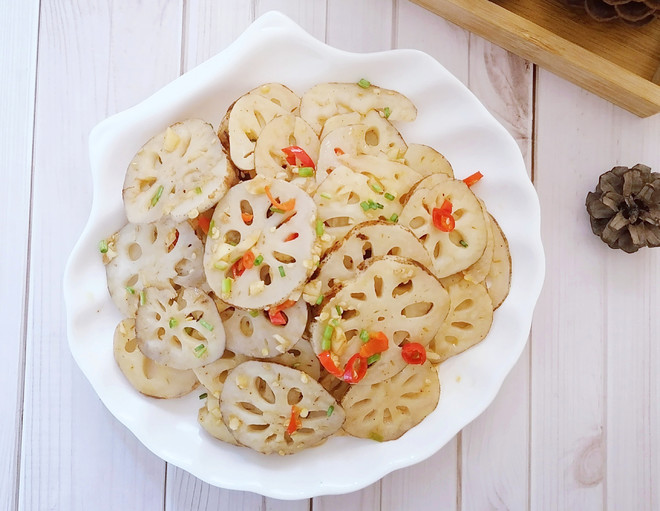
246, 327
350, 334
154, 234
378, 286
387, 416
260, 118
403, 288
222, 377
403, 410
366, 251
184, 267
160, 333
283, 258
417, 222
226, 314
359, 296
339, 221
349, 314
437, 249
451, 339
249, 407
175, 342
196, 314
456, 237
395, 251
458, 214
348, 262
246, 208
417, 310
130, 345
264, 274
132, 281
353, 198
380, 318
371, 137
134, 251
462, 325
370, 415
264, 390
258, 427
400, 336
270, 438
294, 396
233, 237
147, 183
148, 368
464, 305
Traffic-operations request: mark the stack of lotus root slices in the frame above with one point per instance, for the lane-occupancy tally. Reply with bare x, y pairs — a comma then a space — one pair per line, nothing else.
304, 264
634, 12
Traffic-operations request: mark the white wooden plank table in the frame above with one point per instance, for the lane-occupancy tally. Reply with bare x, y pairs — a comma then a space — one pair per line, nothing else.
576, 425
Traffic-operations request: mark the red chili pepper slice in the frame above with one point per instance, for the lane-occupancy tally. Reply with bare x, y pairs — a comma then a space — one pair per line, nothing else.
293, 152
377, 343
326, 361
204, 223
339, 151
470, 180
237, 269
355, 369
413, 353
248, 259
443, 221
275, 313
447, 206
284, 206
294, 421
291, 237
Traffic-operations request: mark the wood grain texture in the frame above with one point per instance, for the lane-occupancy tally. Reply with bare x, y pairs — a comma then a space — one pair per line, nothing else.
75, 456
18, 38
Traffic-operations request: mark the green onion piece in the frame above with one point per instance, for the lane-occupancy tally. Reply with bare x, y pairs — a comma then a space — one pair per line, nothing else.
211, 226
364, 83
173, 322
198, 189
331, 409
281, 270
200, 350
305, 171
334, 322
297, 364
364, 336
327, 333
378, 205
463, 243
221, 265
232, 243
226, 285
338, 309
143, 297
376, 436
103, 247
206, 324
319, 300
203, 396
394, 218
130, 290
389, 196
365, 206
387, 112
326, 196
259, 260
254, 313
373, 358
376, 187
277, 210
156, 197
319, 228
326, 344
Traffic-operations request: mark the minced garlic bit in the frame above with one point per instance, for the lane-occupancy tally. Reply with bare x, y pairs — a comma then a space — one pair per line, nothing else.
234, 423
311, 291
264, 352
242, 381
215, 233
304, 412
257, 185
304, 378
216, 413
193, 213
256, 288
171, 140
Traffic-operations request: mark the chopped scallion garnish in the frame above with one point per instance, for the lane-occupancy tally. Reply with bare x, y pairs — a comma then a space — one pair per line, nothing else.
277, 210
373, 358
389, 196
379, 205
364, 83
326, 344
130, 290
387, 112
206, 324
226, 285
327, 333
376, 187
463, 243
319, 300
319, 228
338, 309
143, 297
203, 396
103, 247
259, 260
364, 336
211, 226
281, 270
198, 190
173, 322
254, 313
156, 197
305, 171
200, 350
394, 218
326, 195
331, 409
365, 206
334, 322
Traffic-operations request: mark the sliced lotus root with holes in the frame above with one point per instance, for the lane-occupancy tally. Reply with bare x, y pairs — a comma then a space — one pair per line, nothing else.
364, 241
336, 387
460, 248
386, 410
158, 254
257, 402
375, 135
247, 117
326, 100
285, 241
181, 330
468, 322
479, 270
210, 418
346, 198
340, 121
426, 161
498, 280
302, 357
391, 294
251, 333
269, 159
214, 375
144, 374
179, 172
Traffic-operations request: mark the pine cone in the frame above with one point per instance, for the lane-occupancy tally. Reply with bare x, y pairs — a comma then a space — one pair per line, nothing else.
625, 208
634, 12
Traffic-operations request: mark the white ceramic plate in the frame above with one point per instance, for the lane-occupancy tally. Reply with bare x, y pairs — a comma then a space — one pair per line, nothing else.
450, 119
